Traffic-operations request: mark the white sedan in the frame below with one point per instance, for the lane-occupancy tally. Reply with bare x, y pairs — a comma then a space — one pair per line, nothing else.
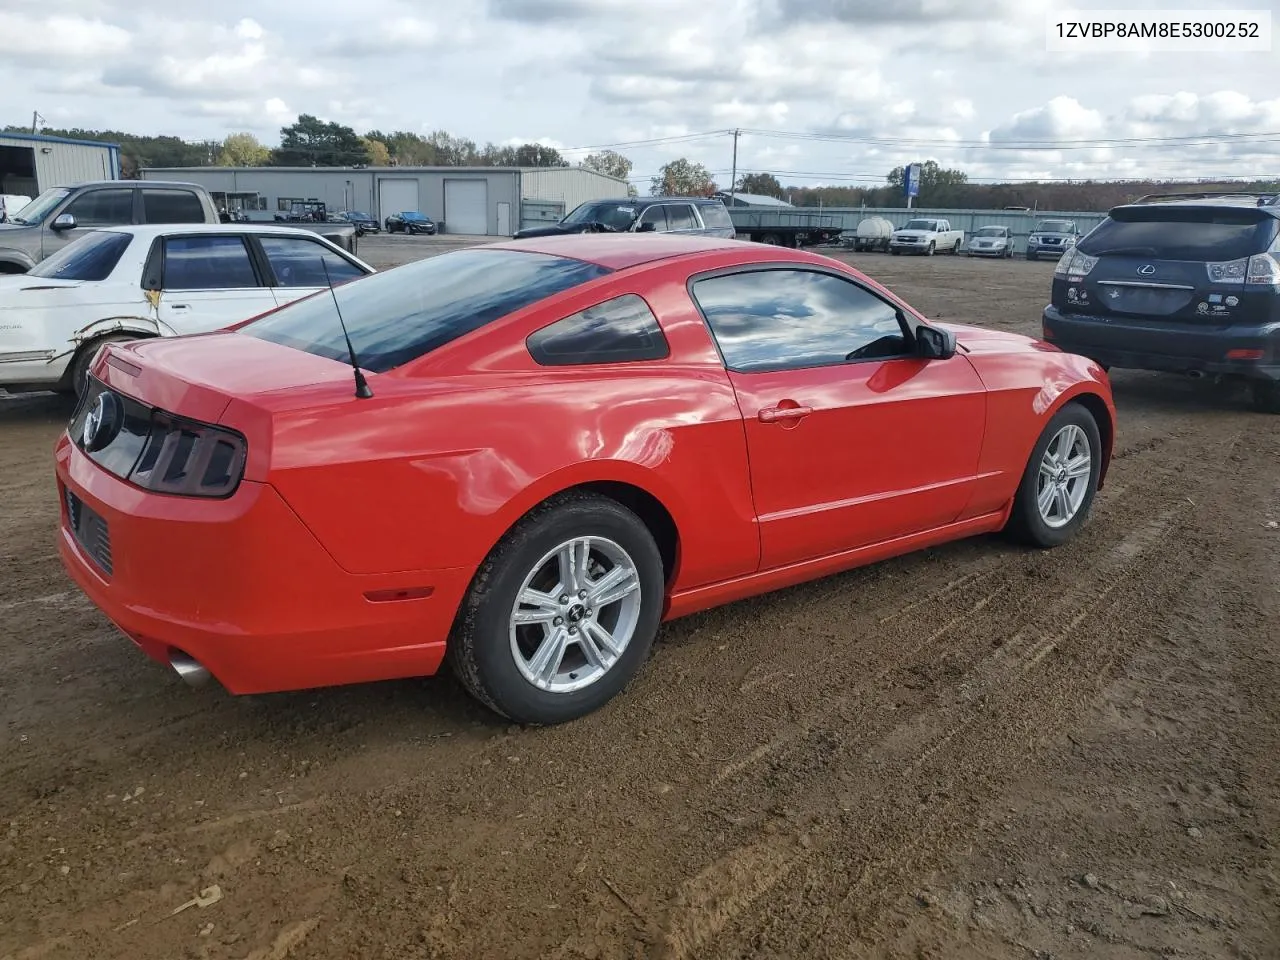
123, 283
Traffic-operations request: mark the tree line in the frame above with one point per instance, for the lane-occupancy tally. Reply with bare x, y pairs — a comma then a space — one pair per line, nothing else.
309, 141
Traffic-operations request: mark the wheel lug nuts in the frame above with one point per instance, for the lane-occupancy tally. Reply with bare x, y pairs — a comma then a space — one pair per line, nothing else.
582, 594
559, 621
565, 598
573, 630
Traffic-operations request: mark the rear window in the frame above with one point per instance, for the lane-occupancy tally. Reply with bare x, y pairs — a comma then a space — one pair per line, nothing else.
715, 216
405, 313
90, 257
171, 206
1199, 234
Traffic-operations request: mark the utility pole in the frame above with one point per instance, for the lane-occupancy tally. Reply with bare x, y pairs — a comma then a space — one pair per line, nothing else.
35, 120
733, 181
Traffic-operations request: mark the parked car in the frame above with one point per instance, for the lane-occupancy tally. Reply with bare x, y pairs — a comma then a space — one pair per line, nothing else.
926, 236
363, 222
1184, 285
990, 241
1052, 238
574, 440
127, 283
411, 222
705, 216
873, 233
62, 214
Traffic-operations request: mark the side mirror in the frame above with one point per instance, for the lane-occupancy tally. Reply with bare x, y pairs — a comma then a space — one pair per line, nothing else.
647, 227
63, 221
935, 344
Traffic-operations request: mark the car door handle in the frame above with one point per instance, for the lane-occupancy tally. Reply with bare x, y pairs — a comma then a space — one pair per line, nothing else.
179, 306
774, 414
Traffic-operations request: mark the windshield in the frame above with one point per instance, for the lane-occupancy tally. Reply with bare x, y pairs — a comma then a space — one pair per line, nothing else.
411, 215
1055, 226
405, 313
35, 211
919, 225
90, 257
991, 232
357, 215
616, 215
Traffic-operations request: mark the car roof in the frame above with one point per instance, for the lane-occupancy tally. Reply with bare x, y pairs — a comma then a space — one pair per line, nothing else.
637, 201
620, 251
152, 230
1202, 204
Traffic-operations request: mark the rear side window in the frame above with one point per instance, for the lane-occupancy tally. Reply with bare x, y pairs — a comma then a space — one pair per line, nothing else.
715, 216
680, 217
621, 330
405, 313
171, 206
1198, 234
207, 263
657, 215
90, 257
296, 262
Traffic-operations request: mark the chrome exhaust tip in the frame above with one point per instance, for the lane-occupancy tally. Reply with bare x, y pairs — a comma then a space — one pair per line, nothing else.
191, 670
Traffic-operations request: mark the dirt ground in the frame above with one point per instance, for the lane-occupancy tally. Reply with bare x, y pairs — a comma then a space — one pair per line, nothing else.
973, 753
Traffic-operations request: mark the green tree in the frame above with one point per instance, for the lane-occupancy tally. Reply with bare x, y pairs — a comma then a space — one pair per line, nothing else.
242, 150
609, 162
310, 142
764, 184
682, 178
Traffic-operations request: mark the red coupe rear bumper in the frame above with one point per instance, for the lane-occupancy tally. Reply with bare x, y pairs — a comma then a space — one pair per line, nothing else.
242, 586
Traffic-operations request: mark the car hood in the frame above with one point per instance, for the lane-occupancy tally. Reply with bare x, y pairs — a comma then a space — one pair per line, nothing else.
1049, 234
986, 340
550, 230
916, 234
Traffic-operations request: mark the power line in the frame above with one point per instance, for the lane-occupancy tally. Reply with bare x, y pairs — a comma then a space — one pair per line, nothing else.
1027, 144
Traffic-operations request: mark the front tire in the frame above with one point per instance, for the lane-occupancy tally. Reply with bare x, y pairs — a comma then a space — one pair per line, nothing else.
1060, 480
562, 613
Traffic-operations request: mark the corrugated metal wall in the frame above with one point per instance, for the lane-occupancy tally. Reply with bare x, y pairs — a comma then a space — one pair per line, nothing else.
59, 163
569, 186
348, 189
1020, 224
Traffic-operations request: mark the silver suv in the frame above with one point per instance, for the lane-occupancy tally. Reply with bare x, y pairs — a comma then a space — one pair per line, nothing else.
59, 215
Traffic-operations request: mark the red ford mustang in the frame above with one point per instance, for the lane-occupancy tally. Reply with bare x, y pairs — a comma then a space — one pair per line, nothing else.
552, 446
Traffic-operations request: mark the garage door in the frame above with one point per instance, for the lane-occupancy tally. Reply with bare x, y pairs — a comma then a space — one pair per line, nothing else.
395, 195
466, 206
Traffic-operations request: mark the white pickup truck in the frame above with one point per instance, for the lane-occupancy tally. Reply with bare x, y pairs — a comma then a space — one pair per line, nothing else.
926, 235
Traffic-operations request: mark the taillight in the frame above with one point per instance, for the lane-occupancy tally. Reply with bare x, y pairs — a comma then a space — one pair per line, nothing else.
1074, 265
1260, 268
189, 458
1263, 268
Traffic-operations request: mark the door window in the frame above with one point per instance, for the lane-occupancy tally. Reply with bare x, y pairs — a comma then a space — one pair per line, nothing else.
102, 208
207, 263
680, 217
768, 320
296, 262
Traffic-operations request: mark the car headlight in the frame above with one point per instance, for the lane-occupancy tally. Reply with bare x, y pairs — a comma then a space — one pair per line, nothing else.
1033, 239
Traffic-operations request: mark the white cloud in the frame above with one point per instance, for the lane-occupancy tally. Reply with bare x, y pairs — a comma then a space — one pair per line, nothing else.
881, 83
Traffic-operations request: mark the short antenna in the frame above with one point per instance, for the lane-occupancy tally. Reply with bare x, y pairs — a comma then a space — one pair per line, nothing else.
362, 385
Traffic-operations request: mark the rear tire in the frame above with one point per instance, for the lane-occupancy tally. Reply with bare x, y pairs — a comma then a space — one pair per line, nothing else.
1054, 497
1266, 396
500, 639
84, 359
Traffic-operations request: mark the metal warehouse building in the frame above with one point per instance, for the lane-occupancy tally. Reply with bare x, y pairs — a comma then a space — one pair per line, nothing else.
493, 201
30, 163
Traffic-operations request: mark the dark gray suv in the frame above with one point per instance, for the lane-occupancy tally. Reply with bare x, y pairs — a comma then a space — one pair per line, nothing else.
699, 216
1185, 283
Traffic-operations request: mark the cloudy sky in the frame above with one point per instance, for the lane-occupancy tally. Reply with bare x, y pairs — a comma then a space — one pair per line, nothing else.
839, 91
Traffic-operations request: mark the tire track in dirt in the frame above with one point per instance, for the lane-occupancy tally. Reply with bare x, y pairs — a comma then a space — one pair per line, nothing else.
928, 749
